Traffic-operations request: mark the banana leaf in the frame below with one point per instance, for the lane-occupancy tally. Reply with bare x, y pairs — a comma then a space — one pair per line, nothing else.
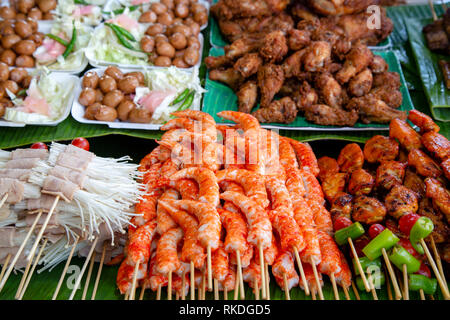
431, 75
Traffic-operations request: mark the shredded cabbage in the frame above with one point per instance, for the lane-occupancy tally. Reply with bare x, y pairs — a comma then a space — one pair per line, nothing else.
66, 8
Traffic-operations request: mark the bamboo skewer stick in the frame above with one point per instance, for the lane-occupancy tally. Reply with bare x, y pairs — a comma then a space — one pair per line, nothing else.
192, 275
261, 265
24, 278
422, 294
313, 294
208, 250
203, 285
256, 288
177, 296
302, 272
433, 12
316, 276
431, 297
141, 296
388, 285
398, 294
158, 292
358, 265
225, 294
19, 252
80, 276
88, 277
169, 286
405, 283
355, 291
267, 280
43, 227
5, 197
99, 273
36, 261
183, 286
127, 294
5, 265
286, 288
444, 288
438, 260
347, 296
372, 287
239, 270
335, 288
63, 274
216, 289
236, 286
133, 284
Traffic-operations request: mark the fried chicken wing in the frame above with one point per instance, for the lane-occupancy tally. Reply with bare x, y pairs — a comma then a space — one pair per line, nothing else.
308, 96
356, 60
361, 83
407, 136
350, 158
389, 174
436, 144
330, 91
368, 210
298, 39
317, 55
229, 76
274, 47
414, 182
441, 196
247, 96
380, 148
248, 64
378, 65
446, 168
218, 62
327, 116
270, 81
292, 65
425, 166
386, 78
337, 8
372, 109
361, 182
280, 111
240, 47
333, 184
401, 200
424, 122
391, 96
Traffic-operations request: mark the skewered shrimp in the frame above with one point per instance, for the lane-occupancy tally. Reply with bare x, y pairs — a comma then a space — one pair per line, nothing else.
138, 249
406, 135
424, 165
163, 218
284, 267
252, 273
179, 123
125, 276
424, 122
306, 158
312, 186
245, 256
208, 125
343, 277
166, 251
279, 194
270, 253
333, 184
330, 262
288, 230
146, 207
327, 166
310, 279
440, 195
227, 185
400, 201
380, 148
351, 158
322, 218
230, 280
389, 174
153, 280
220, 263
236, 231
159, 154
361, 182
436, 144
207, 182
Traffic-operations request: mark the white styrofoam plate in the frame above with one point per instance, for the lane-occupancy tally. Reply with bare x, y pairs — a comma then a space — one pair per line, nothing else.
61, 78
78, 109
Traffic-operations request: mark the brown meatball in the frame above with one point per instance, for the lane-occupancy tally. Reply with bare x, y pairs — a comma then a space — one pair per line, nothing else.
138, 75
90, 80
26, 81
6, 29
161, 38
107, 84
10, 40
47, 16
23, 29
37, 37
139, 115
168, 3
46, 5
18, 74
180, 63
147, 44
11, 86
158, 8
91, 110
128, 84
124, 109
87, 97
105, 113
181, 10
165, 49
191, 56
201, 18
165, 19
35, 14
178, 41
24, 61
33, 23
193, 42
195, 28
4, 71
8, 57
113, 98
25, 5
155, 29
98, 95
163, 61
7, 13
25, 47
184, 29
148, 17
114, 73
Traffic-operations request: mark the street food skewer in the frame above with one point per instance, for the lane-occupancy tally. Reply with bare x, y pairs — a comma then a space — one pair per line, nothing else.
63, 274
88, 277
99, 273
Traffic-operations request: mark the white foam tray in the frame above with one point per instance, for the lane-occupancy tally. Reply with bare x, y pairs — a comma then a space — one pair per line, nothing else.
78, 110
59, 77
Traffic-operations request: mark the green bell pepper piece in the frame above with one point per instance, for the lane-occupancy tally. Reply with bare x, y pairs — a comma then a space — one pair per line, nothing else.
419, 281
400, 256
365, 263
386, 239
420, 230
377, 278
353, 231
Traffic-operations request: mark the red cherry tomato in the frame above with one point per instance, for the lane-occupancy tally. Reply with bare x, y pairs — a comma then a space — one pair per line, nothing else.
341, 222
405, 243
406, 222
39, 145
81, 143
375, 230
424, 270
360, 243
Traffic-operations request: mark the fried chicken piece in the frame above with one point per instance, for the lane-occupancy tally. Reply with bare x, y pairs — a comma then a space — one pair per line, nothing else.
425, 166
441, 230
308, 96
356, 60
330, 91
218, 62
414, 182
436, 144
240, 47
229, 76
274, 47
298, 39
391, 96
378, 64
327, 116
342, 205
441, 196
231, 29
446, 168
361, 84
247, 96
386, 78
350, 158
327, 166
361, 182
380, 148
292, 65
337, 8
279, 111
407, 136
298, 10
389, 174
270, 80
372, 109
247, 8
401, 200
248, 64
290, 88
368, 210
317, 55
423, 121
333, 184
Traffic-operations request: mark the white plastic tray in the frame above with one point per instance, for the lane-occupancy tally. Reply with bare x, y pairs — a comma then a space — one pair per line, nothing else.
59, 77
78, 110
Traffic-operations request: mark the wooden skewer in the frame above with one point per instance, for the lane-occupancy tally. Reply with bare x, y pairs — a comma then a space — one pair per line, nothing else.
405, 283
24, 278
355, 291
444, 288
422, 294
169, 286
261, 265
438, 260
183, 286
177, 296
5, 197
19, 252
80, 276
256, 288
192, 275
99, 273
358, 265
208, 250
141, 296
43, 227
127, 294
400, 282
313, 294
36, 261
134, 282
5, 265
203, 285
88, 277
372, 287
398, 294
158, 292
335, 288
316, 276
431, 297
347, 296
267, 280
216, 289
239, 270
236, 286
225, 294
430, 2
388, 285
302, 272
63, 274
286, 288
